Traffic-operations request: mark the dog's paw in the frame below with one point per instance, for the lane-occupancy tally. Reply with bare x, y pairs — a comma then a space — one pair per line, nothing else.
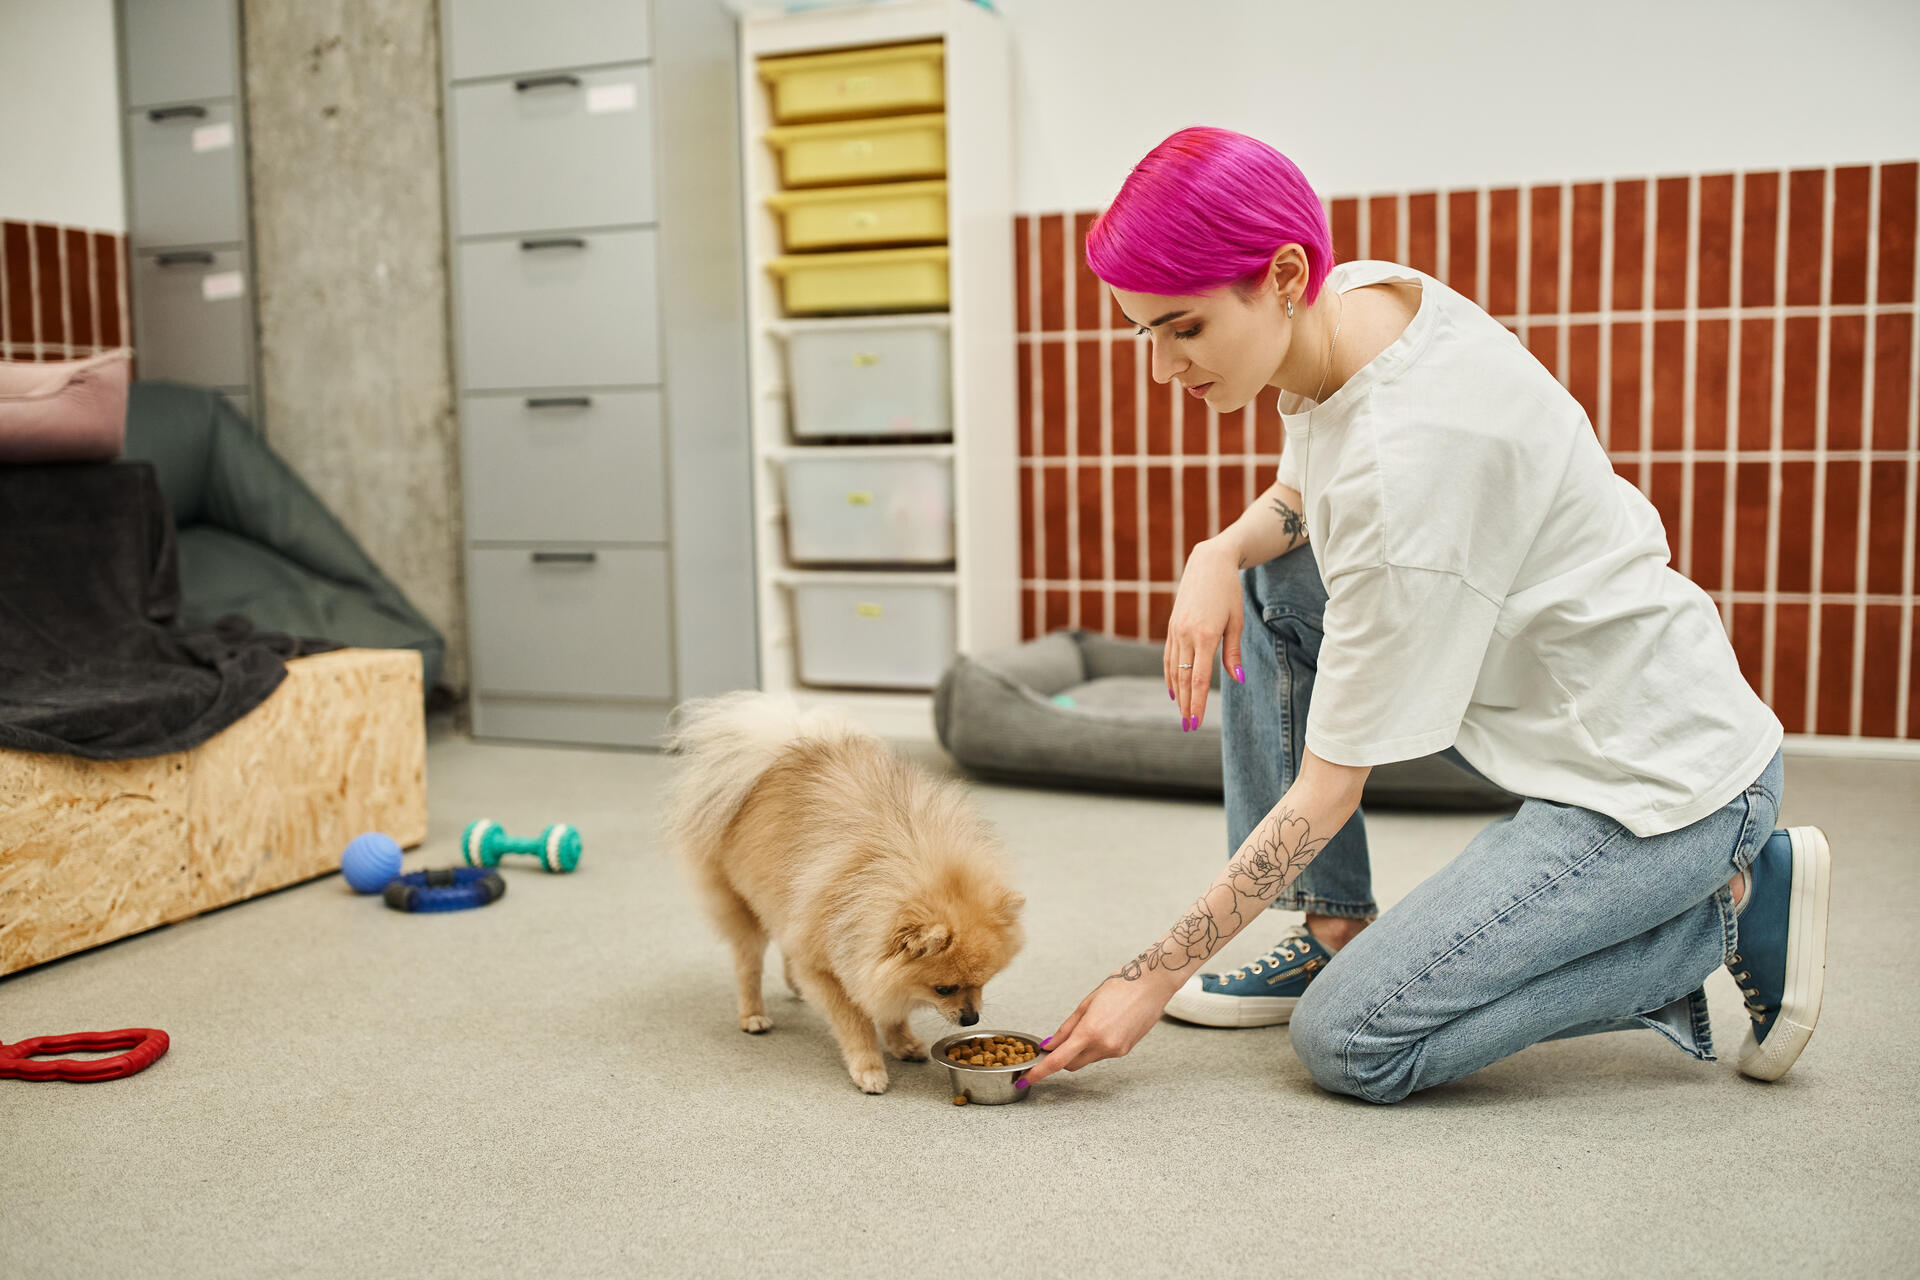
756, 1023
871, 1079
907, 1048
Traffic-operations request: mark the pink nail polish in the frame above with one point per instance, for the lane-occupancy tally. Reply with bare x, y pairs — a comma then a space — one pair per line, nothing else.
1019, 1084
1239, 675
1046, 1042
1170, 697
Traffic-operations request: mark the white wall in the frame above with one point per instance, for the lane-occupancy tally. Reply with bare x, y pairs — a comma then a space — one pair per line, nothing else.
1388, 96
1406, 95
60, 114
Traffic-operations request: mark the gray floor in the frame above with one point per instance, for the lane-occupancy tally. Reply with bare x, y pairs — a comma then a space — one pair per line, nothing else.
554, 1085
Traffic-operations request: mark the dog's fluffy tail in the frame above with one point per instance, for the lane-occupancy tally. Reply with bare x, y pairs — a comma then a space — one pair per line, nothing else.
728, 742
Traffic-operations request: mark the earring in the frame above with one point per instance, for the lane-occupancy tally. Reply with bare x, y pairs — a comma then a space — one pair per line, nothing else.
1289, 308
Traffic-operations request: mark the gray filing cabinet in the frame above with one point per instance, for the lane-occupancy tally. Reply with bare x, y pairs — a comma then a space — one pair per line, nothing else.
592, 180
190, 281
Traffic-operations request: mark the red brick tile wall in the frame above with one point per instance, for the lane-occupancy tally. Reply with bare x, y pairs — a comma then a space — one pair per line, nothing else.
63, 293
1744, 344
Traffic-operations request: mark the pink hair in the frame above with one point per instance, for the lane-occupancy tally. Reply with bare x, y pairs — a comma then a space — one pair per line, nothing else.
1205, 209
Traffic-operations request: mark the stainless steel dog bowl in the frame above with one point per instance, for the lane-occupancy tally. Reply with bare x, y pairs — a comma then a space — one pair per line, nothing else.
985, 1086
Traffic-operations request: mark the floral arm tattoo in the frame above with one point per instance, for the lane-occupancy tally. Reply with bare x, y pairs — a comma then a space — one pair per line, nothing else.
1291, 521
1279, 849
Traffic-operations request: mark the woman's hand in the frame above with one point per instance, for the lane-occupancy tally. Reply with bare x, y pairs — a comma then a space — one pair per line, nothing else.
1206, 611
1113, 1018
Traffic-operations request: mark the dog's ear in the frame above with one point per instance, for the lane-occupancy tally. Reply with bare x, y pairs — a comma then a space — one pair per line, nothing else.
1010, 904
918, 935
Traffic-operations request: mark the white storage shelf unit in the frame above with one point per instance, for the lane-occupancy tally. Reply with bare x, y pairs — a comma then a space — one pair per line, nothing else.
885, 453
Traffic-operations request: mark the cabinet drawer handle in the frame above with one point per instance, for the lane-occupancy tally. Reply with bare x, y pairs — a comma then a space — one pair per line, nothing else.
557, 242
565, 557
559, 402
542, 82
177, 113
193, 258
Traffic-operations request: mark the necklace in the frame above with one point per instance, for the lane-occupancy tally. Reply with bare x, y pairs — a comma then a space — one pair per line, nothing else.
1336, 337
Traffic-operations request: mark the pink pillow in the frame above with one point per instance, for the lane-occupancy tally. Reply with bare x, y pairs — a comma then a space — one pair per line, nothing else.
65, 410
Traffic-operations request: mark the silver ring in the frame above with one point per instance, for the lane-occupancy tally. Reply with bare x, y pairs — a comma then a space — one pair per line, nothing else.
1185, 666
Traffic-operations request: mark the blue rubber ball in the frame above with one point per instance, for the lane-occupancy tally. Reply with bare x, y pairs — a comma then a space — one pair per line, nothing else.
371, 860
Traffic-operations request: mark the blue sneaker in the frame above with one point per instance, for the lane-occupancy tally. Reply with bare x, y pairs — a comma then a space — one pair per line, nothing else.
1781, 933
1260, 994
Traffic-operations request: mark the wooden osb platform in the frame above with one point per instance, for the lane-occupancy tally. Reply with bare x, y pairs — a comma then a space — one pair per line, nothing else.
93, 850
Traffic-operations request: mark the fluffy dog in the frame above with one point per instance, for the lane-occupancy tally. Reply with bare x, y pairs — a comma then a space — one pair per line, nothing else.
883, 888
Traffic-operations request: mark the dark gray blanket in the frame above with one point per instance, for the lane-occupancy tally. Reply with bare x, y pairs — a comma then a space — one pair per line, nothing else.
92, 659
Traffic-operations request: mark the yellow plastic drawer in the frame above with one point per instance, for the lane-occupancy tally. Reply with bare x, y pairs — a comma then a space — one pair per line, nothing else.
857, 82
853, 217
870, 280
885, 149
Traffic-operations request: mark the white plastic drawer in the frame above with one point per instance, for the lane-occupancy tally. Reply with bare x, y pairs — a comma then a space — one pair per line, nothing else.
865, 510
179, 50
184, 175
881, 636
871, 382
567, 310
574, 623
565, 467
191, 317
502, 37
571, 149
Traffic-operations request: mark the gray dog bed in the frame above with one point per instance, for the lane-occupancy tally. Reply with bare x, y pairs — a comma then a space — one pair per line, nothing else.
1076, 709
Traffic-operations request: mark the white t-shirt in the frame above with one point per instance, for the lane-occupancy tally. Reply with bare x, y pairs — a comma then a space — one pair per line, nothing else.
1493, 585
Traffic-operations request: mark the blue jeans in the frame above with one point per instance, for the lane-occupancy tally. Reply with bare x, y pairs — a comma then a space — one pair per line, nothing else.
1554, 921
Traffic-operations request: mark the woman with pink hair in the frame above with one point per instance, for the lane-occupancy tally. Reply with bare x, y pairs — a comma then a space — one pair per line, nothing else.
1445, 563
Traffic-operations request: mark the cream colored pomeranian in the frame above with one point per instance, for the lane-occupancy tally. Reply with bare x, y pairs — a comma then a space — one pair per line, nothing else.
883, 888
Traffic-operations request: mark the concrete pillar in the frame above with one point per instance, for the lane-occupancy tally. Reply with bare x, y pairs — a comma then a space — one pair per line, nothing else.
349, 238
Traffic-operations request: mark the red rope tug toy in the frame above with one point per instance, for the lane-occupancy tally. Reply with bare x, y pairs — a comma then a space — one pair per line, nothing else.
144, 1046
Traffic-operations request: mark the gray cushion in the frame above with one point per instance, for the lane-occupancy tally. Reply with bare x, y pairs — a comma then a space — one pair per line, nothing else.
254, 540
1076, 709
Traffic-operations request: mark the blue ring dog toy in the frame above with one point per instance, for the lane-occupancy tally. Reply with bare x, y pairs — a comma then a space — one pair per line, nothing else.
446, 889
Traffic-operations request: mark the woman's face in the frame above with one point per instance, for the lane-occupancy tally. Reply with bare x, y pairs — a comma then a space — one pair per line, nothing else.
1221, 347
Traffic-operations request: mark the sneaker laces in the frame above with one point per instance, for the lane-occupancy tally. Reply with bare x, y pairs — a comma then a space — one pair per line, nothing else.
1758, 1012
1295, 946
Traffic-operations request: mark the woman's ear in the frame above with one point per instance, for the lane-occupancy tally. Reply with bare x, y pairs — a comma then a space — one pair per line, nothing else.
1287, 270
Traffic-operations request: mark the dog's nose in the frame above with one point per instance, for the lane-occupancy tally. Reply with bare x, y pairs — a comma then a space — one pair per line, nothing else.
968, 1018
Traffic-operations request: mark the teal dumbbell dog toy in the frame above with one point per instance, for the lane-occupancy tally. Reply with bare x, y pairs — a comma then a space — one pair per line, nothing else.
484, 844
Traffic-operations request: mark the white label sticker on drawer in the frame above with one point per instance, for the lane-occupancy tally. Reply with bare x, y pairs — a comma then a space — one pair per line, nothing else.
217, 286
213, 137
602, 98
867, 610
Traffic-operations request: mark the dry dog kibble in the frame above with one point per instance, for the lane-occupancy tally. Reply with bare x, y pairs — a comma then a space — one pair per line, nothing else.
959, 1099
994, 1051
